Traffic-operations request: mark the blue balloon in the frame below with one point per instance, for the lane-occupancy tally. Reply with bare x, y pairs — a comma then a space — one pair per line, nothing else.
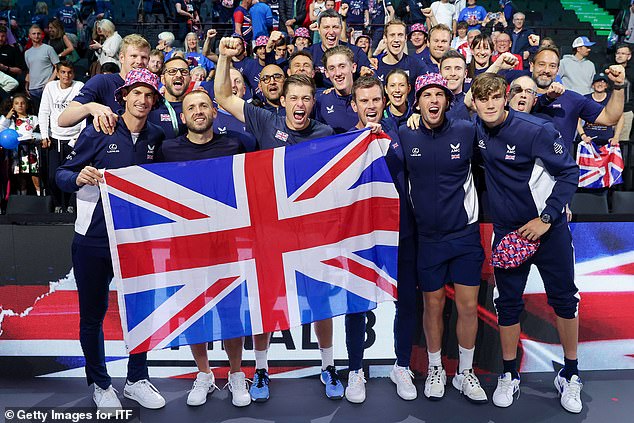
9, 139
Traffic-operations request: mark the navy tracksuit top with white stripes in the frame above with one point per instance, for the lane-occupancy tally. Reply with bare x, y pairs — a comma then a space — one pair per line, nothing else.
441, 188
103, 151
528, 170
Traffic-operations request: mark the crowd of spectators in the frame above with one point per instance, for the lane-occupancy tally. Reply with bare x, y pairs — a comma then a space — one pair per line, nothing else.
84, 39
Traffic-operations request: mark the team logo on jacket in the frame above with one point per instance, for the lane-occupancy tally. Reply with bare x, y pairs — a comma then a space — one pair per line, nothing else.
559, 149
113, 148
482, 144
222, 130
510, 152
150, 152
415, 152
455, 151
330, 109
282, 136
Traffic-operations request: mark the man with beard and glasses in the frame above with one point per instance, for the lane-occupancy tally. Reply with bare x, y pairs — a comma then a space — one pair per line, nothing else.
271, 131
395, 58
438, 159
530, 177
175, 78
333, 106
565, 109
270, 84
200, 142
369, 102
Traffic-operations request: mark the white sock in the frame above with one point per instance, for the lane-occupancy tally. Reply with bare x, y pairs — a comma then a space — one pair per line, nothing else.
466, 358
261, 361
435, 359
327, 357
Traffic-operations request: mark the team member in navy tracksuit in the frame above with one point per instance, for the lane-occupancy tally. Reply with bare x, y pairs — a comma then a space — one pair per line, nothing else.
176, 78
333, 106
530, 177
133, 142
369, 102
271, 131
438, 161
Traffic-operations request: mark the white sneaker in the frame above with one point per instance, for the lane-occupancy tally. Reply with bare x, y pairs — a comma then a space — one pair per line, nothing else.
144, 393
355, 391
403, 378
505, 391
203, 386
469, 385
435, 383
106, 398
239, 388
570, 393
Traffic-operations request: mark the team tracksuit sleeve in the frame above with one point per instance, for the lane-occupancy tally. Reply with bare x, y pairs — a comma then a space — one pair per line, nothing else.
548, 147
82, 155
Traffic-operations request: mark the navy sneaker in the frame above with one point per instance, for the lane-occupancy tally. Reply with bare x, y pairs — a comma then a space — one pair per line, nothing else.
334, 387
260, 388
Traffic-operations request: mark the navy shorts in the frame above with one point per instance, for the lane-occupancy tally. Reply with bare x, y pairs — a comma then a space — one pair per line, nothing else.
556, 264
457, 260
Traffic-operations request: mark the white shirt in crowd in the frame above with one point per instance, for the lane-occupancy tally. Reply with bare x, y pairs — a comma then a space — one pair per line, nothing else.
444, 13
54, 101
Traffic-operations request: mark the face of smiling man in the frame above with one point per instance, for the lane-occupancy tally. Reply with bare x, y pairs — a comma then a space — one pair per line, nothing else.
176, 78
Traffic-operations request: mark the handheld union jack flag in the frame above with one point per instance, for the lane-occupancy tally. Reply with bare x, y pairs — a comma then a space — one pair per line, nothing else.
248, 244
599, 167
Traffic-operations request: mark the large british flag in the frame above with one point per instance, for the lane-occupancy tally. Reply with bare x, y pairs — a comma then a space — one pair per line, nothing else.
248, 244
599, 167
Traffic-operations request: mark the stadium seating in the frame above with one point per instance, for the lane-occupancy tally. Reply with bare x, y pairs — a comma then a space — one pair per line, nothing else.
623, 202
589, 203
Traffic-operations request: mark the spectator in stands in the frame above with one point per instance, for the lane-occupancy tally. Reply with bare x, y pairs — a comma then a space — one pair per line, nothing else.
363, 41
261, 18
623, 57
155, 11
381, 12
18, 114
508, 9
194, 54
11, 59
7, 85
482, 51
68, 16
40, 17
155, 64
56, 97
600, 134
110, 68
503, 44
166, 40
60, 42
358, 17
314, 10
40, 60
301, 40
473, 14
418, 38
292, 14
461, 35
103, 9
576, 70
242, 21
413, 11
108, 51
444, 13
186, 15
623, 24
520, 36
210, 44
459, 5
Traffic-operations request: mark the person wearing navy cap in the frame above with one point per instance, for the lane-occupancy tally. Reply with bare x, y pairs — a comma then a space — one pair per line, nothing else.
442, 193
576, 70
530, 177
600, 134
134, 141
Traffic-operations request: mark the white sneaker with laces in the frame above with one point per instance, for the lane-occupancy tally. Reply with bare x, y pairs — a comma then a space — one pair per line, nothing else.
570, 393
203, 386
505, 391
435, 383
144, 393
404, 380
469, 385
239, 388
355, 391
106, 398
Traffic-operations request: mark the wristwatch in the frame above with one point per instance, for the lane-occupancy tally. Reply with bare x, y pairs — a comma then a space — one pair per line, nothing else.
546, 218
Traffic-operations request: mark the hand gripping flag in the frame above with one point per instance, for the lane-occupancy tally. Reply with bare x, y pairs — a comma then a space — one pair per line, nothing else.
248, 244
599, 167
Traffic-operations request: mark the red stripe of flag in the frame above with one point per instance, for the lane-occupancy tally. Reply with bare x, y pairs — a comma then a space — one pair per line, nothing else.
153, 198
363, 272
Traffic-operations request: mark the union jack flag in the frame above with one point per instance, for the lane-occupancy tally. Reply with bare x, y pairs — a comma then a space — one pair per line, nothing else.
599, 167
248, 244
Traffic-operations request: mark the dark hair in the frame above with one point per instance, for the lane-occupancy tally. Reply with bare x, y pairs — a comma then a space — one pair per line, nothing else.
197, 91
300, 53
366, 82
65, 64
477, 40
452, 54
174, 58
397, 71
3, 28
623, 45
337, 50
542, 49
328, 13
7, 104
301, 80
462, 25
110, 67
